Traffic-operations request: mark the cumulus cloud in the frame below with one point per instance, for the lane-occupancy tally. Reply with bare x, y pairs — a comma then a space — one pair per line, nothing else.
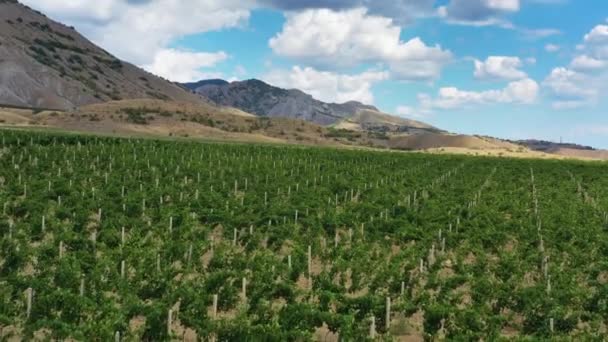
328, 86
79, 10
347, 38
491, 13
518, 92
479, 12
401, 11
184, 66
598, 35
142, 31
586, 63
418, 113
582, 82
569, 86
499, 68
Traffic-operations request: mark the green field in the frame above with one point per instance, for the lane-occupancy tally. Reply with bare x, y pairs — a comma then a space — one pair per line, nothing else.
135, 239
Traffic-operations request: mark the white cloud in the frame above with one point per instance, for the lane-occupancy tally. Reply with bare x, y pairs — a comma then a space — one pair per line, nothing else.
552, 48
499, 68
347, 38
598, 34
412, 113
401, 11
570, 88
79, 10
586, 63
142, 31
328, 86
147, 28
518, 92
583, 81
477, 12
503, 5
183, 66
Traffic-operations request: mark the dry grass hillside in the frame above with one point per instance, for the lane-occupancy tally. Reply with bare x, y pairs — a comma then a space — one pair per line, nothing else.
371, 120
584, 154
148, 117
158, 118
438, 140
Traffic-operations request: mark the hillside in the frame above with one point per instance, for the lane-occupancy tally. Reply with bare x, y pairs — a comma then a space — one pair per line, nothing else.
194, 121
565, 149
183, 119
376, 121
257, 97
47, 64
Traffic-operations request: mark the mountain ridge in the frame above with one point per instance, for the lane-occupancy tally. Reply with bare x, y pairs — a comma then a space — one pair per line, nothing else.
262, 99
44, 63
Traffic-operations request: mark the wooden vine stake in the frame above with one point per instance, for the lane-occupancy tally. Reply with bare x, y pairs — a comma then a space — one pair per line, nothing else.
388, 313
189, 255
214, 311
309, 255
81, 291
310, 267
29, 296
61, 249
244, 289
372, 328
117, 336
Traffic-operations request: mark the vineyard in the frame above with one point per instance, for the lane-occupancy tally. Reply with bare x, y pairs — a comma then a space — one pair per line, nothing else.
132, 239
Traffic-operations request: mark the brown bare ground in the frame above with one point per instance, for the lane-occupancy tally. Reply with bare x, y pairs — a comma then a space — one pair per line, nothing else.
323, 334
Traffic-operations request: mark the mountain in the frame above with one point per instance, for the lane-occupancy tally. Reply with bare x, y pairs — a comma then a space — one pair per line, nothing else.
45, 64
548, 146
564, 149
262, 99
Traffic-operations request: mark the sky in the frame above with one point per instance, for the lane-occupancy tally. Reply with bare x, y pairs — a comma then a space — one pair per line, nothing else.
514, 69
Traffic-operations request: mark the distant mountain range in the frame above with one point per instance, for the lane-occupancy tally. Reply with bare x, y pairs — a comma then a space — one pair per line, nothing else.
262, 99
259, 98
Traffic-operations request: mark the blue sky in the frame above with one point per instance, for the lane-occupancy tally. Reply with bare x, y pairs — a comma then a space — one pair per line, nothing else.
507, 68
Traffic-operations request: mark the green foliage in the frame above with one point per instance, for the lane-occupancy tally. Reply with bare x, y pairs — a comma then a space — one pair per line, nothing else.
368, 217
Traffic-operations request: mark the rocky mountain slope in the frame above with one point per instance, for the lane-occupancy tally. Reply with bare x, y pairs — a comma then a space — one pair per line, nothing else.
262, 99
45, 64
